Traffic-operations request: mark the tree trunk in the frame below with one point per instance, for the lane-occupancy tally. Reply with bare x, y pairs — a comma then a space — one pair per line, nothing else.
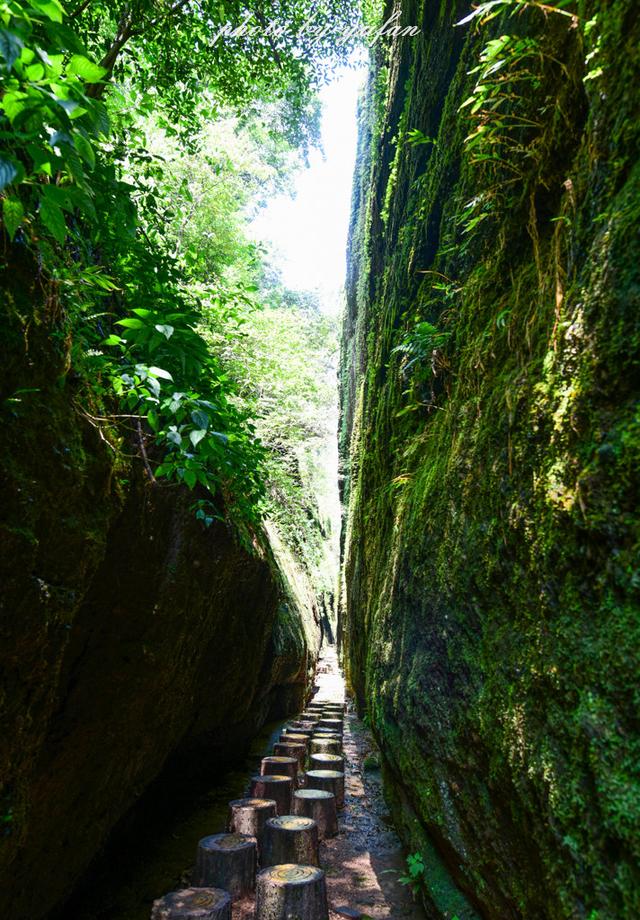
301, 735
327, 733
227, 861
330, 780
249, 816
325, 761
325, 746
193, 904
279, 788
286, 892
281, 766
319, 805
284, 749
290, 839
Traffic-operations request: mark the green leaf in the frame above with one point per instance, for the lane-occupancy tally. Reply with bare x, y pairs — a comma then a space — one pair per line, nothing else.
12, 214
51, 8
86, 69
159, 372
8, 172
59, 195
53, 219
10, 47
85, 149
196, 436
200, 418
35, 72
130, 323
165, 330
190, 478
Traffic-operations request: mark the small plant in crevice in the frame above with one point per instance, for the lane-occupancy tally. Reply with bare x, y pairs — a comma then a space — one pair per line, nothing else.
416, 138
414, 878
422, 360
514, 104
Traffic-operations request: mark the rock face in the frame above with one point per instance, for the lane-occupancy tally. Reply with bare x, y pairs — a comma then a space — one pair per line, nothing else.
490, 445
129, 632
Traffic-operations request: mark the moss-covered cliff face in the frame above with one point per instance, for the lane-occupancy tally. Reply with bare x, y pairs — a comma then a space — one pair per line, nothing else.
491, 439
129, 632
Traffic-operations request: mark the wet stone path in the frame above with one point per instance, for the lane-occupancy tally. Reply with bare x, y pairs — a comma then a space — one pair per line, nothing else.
363, 862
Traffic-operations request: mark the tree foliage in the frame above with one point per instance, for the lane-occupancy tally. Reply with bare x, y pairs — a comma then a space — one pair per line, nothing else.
111, 179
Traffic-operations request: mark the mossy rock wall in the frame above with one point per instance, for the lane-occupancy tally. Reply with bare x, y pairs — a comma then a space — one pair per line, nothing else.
131, 635
489, 604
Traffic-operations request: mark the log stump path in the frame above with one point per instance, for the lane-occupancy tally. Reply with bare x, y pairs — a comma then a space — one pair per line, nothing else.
359, 867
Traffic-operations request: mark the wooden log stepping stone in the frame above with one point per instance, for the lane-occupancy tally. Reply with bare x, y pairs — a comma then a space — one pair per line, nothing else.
193, 904
303, 725
287, 749
277, 787
290, 839
319, 805
279, 766
334, 724
295, 739
304, 734
249, 816
227, 861
325, 746
291, 892
322, 761
328, 736
331, 780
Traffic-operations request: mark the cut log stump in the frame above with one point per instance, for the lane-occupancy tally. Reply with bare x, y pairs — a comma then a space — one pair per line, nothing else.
281, 766
286, 749
324, 761
325, 746
331, 780
249, 816
319, 805
227, 861
334, 724
290, 839
193, 904
303, 724
291, 892
301, 734
278, 787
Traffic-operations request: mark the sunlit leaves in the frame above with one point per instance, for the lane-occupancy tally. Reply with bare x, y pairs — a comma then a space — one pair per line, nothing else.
12, 215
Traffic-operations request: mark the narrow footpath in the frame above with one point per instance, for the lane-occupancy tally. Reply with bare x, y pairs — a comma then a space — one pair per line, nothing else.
363, 861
